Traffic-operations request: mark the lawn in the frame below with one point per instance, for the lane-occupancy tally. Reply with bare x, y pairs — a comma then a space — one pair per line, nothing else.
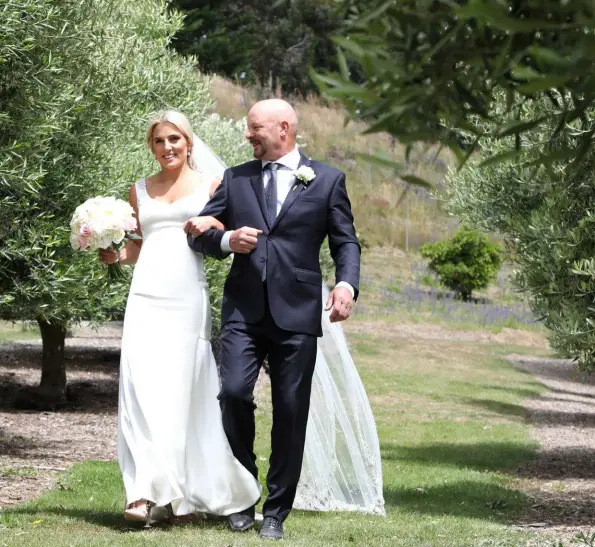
18, 331
451, 427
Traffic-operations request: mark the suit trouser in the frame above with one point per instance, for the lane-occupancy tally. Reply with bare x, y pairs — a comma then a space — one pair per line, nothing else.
291, 358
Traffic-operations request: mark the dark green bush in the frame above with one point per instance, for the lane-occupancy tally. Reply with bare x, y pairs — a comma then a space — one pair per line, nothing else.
466, 263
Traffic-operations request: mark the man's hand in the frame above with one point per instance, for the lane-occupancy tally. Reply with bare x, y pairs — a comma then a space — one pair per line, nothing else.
244, 240
340, 302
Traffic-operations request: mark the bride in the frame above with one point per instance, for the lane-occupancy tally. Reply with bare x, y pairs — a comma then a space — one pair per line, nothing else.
172, 449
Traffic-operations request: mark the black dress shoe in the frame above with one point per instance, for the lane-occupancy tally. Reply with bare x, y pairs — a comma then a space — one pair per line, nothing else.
272, 528
240, 522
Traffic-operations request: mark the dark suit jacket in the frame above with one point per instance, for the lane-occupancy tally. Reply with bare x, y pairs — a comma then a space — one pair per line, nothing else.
290, 247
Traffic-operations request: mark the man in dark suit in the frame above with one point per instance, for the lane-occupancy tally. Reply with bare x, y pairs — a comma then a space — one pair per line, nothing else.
277, 210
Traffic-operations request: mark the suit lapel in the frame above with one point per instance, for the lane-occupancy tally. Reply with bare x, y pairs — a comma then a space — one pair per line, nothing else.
258, 187
293, 194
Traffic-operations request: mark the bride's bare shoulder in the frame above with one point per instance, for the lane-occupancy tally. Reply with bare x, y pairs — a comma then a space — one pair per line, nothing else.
150, 179
208, 179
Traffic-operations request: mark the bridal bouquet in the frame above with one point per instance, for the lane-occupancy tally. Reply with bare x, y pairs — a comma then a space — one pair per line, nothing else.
102, 223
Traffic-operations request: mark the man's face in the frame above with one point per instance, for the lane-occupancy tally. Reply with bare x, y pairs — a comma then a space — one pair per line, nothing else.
264, 134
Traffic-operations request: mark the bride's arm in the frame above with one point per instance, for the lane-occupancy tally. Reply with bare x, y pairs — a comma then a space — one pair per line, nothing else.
130, 252
196, 226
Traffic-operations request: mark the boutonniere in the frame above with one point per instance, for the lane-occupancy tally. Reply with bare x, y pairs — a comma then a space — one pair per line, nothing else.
305, 175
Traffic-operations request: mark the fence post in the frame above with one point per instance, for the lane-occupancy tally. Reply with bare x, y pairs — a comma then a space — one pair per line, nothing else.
407, 225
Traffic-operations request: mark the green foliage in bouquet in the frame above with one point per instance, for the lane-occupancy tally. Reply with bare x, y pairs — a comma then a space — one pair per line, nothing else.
468, 262
78, 82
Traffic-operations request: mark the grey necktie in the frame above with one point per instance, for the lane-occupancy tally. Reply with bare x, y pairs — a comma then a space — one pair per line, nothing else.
270, 192
270, 196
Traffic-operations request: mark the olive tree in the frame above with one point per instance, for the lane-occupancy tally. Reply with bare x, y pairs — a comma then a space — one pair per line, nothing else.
78, 81
421, 69
546, 215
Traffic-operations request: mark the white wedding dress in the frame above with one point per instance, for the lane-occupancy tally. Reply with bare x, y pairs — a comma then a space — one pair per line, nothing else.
171, 444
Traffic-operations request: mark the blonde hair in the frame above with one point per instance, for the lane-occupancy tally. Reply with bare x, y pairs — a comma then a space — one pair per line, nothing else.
180, 121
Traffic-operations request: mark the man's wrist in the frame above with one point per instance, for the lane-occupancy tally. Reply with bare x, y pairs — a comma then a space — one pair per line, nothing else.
225, 246
347, 286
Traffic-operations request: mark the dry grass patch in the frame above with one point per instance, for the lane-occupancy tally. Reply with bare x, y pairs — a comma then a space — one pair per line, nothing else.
435, 333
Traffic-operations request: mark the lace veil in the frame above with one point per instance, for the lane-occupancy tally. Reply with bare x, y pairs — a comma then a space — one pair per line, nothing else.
341, 470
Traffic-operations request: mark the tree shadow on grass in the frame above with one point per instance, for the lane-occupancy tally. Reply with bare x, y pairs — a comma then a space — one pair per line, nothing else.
110, 519
489, 456
525, 393
462, 498
497, 407
538, 416
492, 502
565, 463
488, 500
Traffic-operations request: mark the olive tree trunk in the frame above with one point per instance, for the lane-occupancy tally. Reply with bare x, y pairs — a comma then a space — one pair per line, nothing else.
52, 388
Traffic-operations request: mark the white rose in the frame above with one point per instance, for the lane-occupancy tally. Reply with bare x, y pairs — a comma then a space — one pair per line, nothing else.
305, 174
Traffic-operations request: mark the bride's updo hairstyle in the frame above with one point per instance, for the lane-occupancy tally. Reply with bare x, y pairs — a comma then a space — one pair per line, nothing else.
180, 121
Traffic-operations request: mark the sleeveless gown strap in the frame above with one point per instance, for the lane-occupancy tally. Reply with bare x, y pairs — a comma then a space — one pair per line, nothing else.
141, 189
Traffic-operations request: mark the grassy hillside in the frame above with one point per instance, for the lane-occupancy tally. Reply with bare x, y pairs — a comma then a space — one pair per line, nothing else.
375, 192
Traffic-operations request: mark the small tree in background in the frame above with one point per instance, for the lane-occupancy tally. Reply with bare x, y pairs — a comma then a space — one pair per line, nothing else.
468, 262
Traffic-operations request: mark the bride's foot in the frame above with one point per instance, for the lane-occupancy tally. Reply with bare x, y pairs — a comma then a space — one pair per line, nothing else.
137, 511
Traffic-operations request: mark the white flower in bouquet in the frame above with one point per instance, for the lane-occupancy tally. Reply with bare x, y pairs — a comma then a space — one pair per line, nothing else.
102, 223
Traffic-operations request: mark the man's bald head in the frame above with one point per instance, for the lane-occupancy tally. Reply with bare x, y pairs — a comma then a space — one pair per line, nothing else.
272, 129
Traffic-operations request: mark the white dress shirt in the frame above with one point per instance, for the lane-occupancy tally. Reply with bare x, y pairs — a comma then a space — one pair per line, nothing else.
288, 166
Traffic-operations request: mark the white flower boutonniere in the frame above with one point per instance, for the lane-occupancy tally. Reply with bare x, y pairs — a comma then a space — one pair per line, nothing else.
305, 175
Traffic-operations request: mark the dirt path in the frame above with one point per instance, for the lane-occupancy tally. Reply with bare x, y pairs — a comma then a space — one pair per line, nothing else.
36, 446
561, 480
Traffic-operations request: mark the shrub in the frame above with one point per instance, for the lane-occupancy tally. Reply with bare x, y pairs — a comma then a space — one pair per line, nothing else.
467, 262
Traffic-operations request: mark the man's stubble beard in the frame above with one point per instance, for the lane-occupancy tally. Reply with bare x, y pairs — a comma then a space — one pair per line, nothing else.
263, 151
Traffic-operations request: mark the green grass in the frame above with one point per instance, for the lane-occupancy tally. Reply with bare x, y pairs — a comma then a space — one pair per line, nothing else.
18, 331
451, 425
